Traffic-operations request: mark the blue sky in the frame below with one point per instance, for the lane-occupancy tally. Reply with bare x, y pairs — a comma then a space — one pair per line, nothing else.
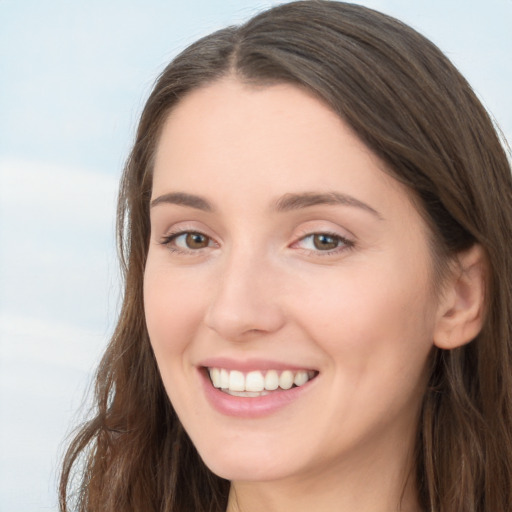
73, 79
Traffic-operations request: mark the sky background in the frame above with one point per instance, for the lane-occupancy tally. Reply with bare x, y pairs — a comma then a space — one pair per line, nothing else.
73, 80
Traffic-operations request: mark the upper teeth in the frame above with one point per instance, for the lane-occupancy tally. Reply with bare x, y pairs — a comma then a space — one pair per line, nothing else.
256, 381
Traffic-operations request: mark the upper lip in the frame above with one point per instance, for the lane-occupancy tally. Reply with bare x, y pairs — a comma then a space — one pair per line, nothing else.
247, 365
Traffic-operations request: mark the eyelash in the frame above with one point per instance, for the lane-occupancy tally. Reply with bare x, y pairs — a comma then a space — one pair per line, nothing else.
344, 244
171, 237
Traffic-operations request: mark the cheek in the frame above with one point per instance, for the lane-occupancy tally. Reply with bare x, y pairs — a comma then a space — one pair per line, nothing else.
377, 329
173, 308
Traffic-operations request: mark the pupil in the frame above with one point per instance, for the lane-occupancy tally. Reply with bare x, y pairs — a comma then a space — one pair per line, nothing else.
325, 242
196, 241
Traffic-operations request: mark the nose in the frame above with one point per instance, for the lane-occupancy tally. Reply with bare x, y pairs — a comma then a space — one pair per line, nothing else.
245, 299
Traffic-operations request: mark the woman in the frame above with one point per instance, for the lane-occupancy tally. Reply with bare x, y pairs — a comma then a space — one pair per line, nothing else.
314, 226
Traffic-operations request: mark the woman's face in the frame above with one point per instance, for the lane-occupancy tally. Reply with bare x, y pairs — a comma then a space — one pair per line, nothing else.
281, 255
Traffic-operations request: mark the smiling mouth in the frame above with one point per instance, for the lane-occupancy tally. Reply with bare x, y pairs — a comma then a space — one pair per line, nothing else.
258, 383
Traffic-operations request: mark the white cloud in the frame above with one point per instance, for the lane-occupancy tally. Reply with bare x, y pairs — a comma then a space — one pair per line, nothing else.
57, 257
57, 300
45, 370
75, 194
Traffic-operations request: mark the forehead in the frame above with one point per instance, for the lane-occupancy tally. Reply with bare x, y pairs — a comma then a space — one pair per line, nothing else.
231, 139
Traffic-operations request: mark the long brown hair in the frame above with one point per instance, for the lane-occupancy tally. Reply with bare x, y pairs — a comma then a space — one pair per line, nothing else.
414, 110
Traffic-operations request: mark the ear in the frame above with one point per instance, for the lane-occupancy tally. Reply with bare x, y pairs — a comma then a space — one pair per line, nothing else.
462, 306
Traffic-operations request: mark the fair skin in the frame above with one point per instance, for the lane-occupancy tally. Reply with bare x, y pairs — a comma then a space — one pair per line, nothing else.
279, 243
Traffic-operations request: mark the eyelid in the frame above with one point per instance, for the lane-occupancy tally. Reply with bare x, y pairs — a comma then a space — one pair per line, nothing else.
346, 243
185, 226
173, 236
184, 229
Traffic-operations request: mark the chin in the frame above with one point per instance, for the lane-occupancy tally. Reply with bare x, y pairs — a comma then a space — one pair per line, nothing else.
238, 471
234, 464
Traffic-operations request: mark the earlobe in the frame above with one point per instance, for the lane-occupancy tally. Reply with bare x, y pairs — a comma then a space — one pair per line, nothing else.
462, 307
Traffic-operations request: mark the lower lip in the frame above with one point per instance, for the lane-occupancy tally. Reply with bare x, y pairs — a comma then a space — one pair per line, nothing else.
251, 407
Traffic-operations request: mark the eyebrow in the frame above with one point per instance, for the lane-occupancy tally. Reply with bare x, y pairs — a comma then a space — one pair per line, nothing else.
290, 202
287, 202
183, 199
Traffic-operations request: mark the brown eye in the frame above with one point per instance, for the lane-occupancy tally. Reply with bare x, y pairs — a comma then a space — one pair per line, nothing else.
324, 242
196, 241
187, 241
